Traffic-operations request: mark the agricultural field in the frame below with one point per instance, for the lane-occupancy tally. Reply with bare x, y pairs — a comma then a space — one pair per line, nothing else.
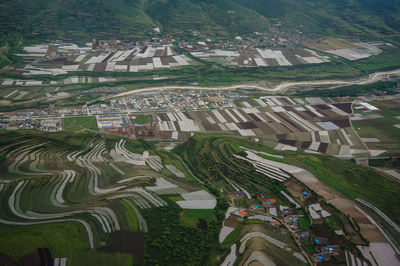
61, 58
211, 132
376, 125
95, 194
224, 157
313, 124
229, 155
105, 196
348, 49
261, 57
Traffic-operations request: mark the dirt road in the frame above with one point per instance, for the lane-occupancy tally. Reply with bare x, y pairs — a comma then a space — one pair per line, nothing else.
283, 86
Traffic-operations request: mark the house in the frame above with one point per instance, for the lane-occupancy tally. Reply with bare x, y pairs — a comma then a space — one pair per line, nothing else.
240, 213
319, 257
306, 194
321, 240
293, 218
288, 211
275, 223
332, 249
259, 208
292, 221
269, 203
303, 236
51, 51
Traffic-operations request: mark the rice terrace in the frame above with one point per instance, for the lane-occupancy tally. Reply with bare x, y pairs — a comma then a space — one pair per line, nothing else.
213, 132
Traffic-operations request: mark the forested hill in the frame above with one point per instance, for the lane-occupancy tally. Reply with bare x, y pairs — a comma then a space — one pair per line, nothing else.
82, 19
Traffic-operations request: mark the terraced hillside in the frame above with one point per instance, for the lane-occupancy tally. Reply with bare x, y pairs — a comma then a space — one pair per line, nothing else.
258, 180
96, 195
224, 157
86, 199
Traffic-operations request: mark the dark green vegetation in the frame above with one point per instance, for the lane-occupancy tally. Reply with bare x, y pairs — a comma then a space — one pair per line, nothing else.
387, 60
171, 243
234, 234
381, 87
390, 162
390, 231
64, 238
73, 19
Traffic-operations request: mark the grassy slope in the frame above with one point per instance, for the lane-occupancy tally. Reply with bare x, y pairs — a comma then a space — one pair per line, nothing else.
65, 239
75, 124
191, 218
352, 180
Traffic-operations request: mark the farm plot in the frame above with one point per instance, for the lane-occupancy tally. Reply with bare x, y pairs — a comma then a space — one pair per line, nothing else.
231, 258
381, 128
165, 187
175, 170
258, 256
288, 122
197, 200
261, 57
271, 240
139, 58
264, 167
351, 50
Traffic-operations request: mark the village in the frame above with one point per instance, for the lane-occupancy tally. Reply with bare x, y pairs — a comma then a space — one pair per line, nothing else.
287, 218
311, 124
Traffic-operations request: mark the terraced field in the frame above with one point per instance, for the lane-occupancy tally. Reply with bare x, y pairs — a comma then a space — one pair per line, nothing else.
232, 166
124, 200
240, 161
78, 185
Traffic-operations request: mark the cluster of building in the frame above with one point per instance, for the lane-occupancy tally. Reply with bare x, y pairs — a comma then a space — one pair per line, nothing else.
323, 249
267, 206
171, 101
49, 124
275, 36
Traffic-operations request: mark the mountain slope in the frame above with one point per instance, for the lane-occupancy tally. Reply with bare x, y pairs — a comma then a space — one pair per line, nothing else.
85, 19
73, 18
332, 17
220, 17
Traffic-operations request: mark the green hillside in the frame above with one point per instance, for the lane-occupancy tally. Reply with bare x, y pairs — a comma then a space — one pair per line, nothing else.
347, 17
72, 19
